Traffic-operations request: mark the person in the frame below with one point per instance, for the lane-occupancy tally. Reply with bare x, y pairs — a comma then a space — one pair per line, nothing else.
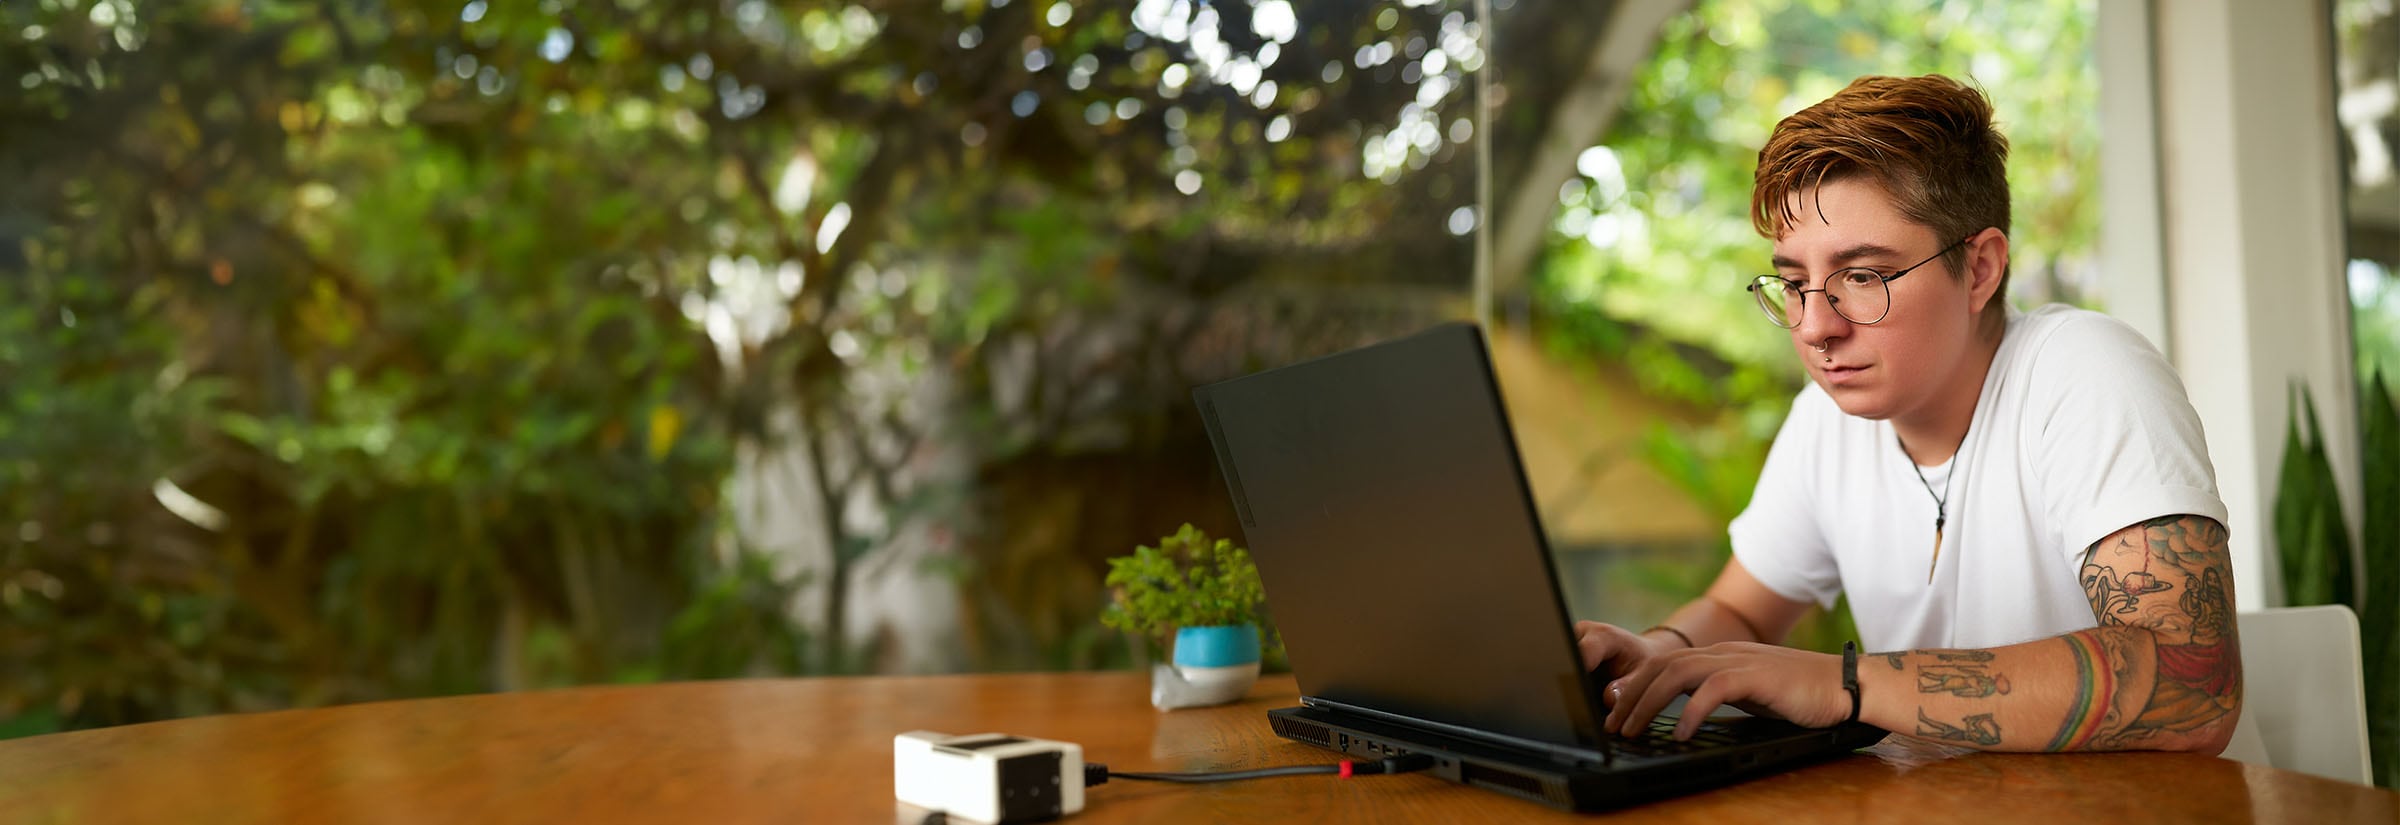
2019, 505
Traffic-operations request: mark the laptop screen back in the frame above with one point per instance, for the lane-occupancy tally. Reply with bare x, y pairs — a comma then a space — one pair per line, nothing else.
1382, 499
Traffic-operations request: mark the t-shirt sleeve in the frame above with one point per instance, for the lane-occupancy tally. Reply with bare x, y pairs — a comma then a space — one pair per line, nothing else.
2119, 442
1777, 537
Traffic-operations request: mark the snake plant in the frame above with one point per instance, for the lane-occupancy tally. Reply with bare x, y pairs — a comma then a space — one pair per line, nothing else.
2314, 550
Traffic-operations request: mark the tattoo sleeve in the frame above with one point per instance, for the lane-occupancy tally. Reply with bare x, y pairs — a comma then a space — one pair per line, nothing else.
2164, 666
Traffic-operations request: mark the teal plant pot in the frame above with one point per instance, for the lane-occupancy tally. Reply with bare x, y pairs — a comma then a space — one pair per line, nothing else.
1211, 666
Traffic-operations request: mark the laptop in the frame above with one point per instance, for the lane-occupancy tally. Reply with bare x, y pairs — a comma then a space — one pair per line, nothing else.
1391, 523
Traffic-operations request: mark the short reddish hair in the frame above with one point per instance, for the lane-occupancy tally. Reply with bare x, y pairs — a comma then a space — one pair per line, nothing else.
1929, 141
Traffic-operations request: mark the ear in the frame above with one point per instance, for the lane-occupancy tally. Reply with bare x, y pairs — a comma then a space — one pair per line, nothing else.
1987, 260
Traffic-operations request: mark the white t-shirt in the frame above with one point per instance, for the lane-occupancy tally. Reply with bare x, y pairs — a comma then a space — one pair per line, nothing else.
2081, 430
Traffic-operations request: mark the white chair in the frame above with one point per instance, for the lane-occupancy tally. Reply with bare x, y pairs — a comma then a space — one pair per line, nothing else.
2304, 699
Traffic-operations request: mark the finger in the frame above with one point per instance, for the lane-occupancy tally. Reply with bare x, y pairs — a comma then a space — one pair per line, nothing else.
1672, 679
1713, 693
1587, 646
1599, 643
1597, 653
1629, 685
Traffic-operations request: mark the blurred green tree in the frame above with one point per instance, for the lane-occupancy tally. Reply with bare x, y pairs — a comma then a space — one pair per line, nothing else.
369, 349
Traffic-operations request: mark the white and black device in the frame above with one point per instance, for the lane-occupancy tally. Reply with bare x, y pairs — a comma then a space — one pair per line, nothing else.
988, 777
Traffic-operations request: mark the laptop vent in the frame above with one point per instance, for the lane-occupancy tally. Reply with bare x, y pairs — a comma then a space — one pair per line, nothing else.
1501, 780
1302, 730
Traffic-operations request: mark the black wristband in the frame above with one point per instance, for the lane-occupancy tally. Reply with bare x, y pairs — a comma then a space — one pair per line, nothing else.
1687, 640
1850, 675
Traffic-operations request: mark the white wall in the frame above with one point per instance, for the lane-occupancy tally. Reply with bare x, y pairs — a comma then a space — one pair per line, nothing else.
2251, 220
2132, 243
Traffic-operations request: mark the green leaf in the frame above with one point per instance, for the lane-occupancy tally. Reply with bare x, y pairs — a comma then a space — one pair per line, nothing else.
2301, 542
244, 427
2379, 537
2341, 572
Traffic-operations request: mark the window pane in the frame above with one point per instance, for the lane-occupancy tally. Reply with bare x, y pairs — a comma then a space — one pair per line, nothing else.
2367, 71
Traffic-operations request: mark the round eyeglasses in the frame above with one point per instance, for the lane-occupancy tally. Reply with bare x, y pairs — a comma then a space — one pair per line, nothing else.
1861, 295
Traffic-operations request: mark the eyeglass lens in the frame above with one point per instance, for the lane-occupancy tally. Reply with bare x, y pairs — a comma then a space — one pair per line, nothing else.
1859, 295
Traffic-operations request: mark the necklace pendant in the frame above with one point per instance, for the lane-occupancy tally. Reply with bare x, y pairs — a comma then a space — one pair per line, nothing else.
1937, 552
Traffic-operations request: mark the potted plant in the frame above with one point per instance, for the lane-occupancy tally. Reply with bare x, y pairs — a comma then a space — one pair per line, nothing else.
1205, 596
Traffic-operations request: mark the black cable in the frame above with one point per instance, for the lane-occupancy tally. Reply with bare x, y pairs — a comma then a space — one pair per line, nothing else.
1095, 773
1228, 776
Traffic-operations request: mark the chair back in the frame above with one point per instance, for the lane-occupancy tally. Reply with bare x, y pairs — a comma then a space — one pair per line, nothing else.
2304, 700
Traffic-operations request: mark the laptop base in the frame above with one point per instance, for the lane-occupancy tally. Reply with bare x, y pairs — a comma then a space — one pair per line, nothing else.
1601, 781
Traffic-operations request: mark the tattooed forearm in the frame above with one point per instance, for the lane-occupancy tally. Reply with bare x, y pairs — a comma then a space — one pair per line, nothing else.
2161, 670
1978, 729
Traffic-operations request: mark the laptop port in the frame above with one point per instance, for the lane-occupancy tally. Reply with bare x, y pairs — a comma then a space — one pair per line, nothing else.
1502, 780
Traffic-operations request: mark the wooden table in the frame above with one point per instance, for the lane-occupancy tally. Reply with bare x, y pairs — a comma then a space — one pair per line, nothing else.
820, 750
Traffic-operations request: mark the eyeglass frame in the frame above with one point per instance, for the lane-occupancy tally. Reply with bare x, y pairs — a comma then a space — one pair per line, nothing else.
1833, 303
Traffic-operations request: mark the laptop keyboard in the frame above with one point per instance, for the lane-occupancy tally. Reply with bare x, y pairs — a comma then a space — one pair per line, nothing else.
1660, 740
